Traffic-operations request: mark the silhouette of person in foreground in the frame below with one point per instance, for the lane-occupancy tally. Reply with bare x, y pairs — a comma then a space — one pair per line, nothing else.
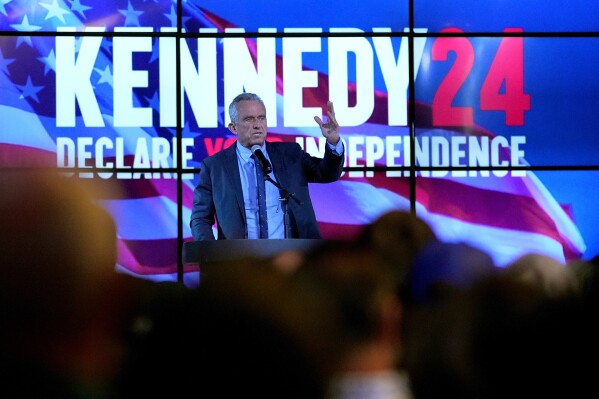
63, 308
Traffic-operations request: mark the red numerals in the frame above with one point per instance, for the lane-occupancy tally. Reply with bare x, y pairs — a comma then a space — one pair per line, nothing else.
507, 68
445, 114
502, 89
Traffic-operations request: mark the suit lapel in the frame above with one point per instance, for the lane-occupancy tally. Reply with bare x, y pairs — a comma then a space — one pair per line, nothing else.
232, 169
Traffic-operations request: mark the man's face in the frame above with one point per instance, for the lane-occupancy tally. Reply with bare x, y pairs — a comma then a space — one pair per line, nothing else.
251, 126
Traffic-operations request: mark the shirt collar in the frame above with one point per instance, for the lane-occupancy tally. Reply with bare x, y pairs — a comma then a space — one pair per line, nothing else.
246, 153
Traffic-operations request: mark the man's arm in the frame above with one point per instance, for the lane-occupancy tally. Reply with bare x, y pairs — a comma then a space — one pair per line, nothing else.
203, 210
323, 170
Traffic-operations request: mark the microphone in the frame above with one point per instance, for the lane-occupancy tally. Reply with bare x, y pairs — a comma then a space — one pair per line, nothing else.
265, 164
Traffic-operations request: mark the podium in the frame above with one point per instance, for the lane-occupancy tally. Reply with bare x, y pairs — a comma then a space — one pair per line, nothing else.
208, 252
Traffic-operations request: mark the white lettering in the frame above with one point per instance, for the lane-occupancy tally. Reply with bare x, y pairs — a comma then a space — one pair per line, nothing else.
393, 144
150, 153
375, 150
73, 79
246, 67
478, 154
296, 78
517, 154
126, 111
242, 74
339, 49
395, 72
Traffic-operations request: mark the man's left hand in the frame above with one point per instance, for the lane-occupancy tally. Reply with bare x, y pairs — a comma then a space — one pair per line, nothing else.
330, 128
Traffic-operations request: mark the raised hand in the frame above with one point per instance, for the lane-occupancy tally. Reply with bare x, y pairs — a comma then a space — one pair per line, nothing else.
330, 128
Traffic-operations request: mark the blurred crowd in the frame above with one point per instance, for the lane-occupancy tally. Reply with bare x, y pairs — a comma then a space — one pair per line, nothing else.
394, 313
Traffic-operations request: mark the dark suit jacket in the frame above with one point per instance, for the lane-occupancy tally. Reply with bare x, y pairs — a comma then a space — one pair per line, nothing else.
218, 195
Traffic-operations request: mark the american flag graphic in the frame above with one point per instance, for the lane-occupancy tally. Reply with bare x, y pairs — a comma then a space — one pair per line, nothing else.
505, 216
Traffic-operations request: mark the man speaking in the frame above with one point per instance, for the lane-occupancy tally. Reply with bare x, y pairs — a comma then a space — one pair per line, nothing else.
245, 187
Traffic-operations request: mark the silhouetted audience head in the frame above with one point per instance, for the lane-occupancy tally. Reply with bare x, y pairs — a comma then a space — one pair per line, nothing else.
586, 273
58, 246
528, 340
360, 284
284, 327
518, 332
62, 304
545, 273
398, 235
396, 238
353, 274
247, 330
434, 331
441, 268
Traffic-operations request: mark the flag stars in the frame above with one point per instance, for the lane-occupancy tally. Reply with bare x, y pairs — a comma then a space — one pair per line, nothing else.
79, 8
25, 26
49, 62
105, 75
131, 16
55, 11
3, 3
172, 16
4, 63
30, 90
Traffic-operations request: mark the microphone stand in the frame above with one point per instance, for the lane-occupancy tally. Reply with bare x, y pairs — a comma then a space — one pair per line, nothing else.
285, 195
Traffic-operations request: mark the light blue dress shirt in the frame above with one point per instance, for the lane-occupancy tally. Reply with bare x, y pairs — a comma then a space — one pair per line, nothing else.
274, 204
274, 210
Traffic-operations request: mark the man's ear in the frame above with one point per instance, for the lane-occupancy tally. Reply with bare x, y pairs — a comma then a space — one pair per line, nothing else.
232, 128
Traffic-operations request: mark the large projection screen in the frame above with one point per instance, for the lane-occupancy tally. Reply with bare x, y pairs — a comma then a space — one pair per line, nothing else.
477, 116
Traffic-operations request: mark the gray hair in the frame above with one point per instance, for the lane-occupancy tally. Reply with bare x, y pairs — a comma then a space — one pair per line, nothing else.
233, 113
